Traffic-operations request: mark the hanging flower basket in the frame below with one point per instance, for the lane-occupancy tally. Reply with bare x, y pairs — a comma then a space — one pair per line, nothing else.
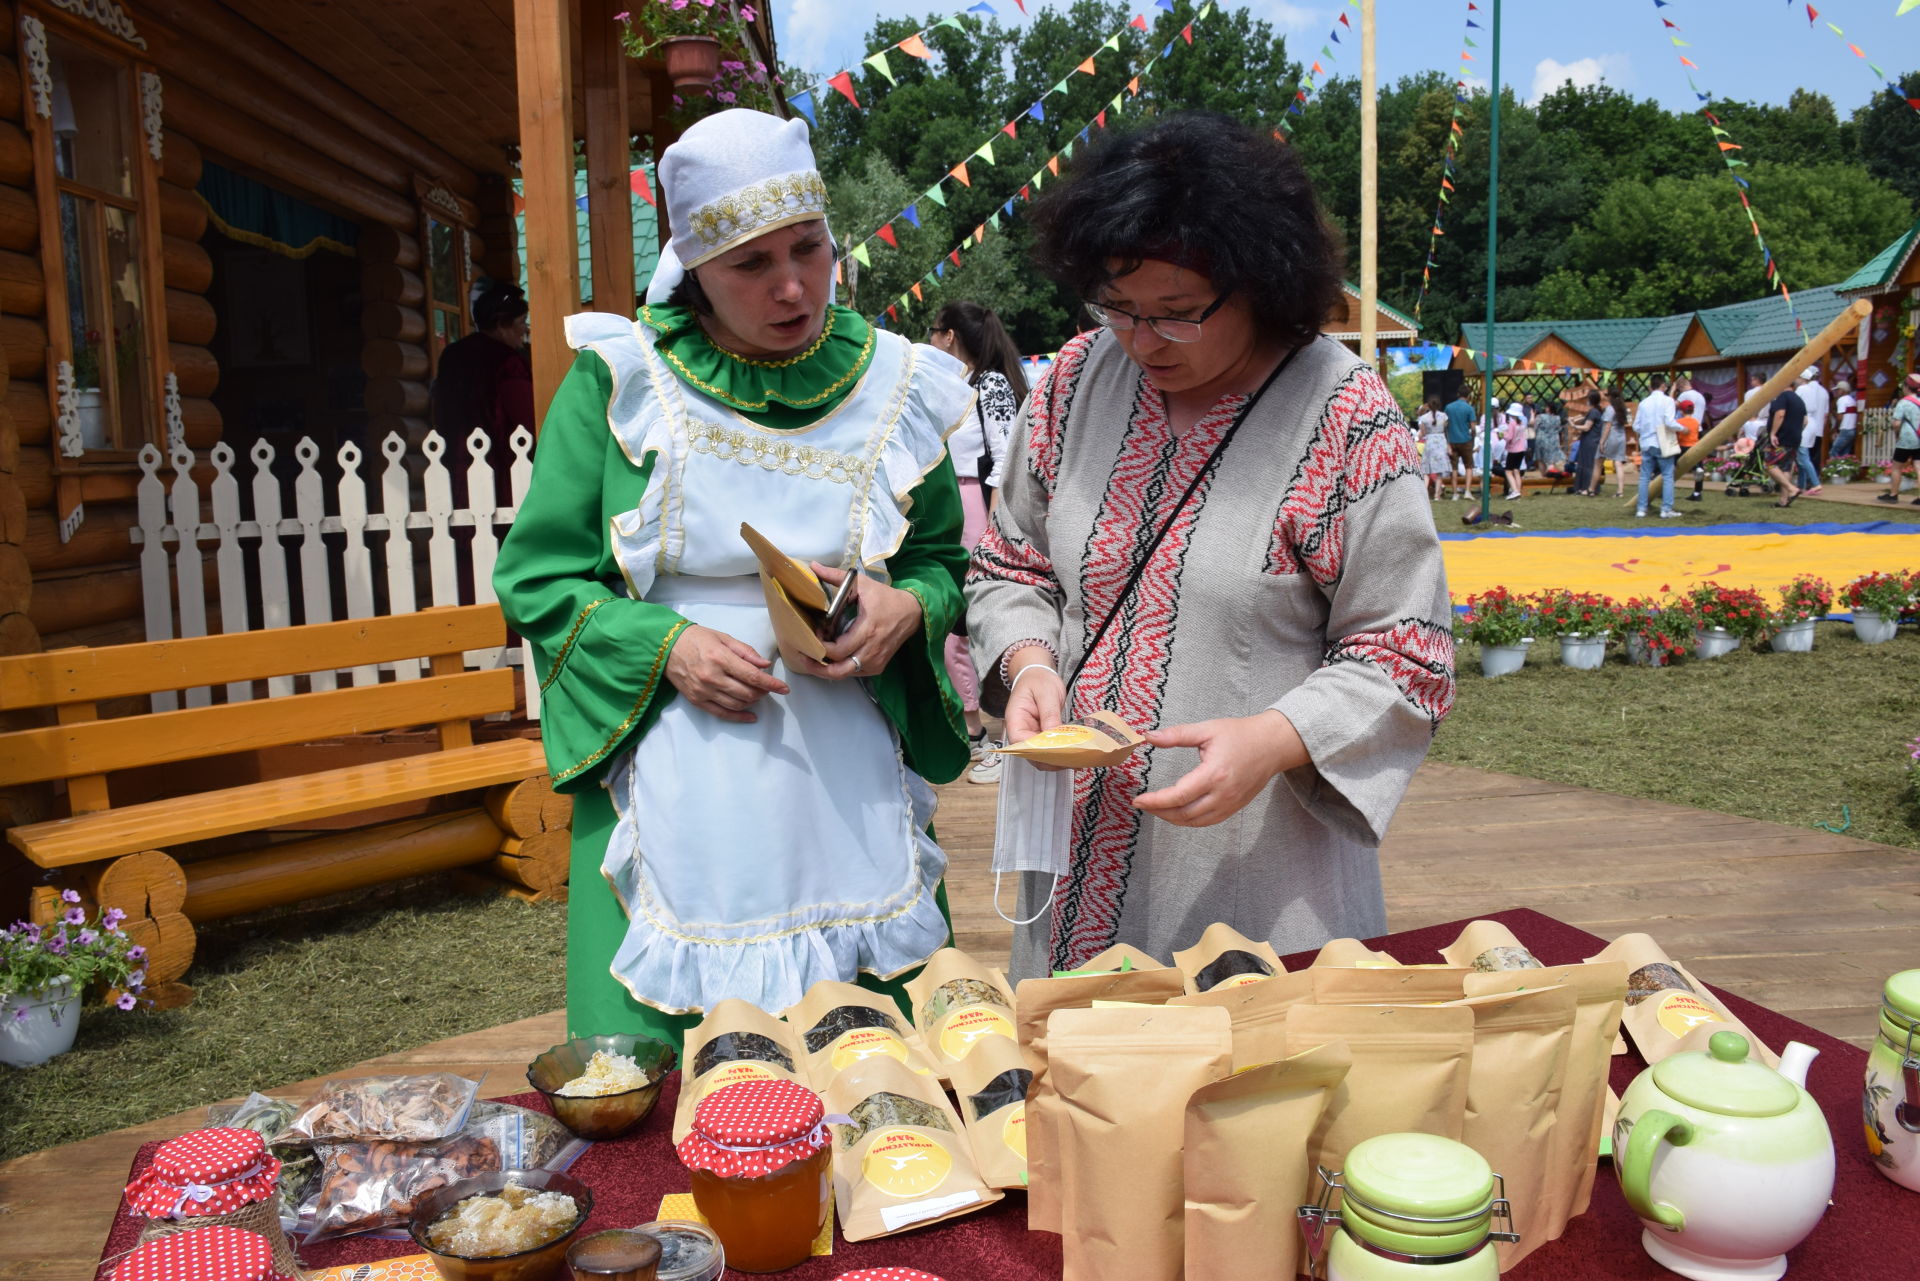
692, 63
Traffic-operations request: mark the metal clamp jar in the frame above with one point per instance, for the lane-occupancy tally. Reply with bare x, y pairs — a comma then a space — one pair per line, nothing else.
1891, 1106
1413, 1207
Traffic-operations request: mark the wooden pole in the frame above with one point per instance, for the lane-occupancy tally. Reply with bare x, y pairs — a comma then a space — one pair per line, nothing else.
542, 33
1369, 192
609, 157
1493, 263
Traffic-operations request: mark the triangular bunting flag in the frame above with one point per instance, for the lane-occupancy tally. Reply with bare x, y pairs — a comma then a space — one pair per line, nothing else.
1140, 21
892, 314
840, 273
915, 291
936, 195
1133, 86
986, 151
1168, 4
940, 269
1101, 118
1026, 191
1038, 110
1113, 41
1053, 166
844, 83
802, 102
955, 255
960, 171
983, 7
1086, 66
886, 233
860, 255
914, 47
980, 234
912, 214
1010, 130
878, 62
637, 182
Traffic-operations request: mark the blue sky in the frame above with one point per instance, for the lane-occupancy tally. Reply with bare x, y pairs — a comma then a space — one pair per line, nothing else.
1759, 50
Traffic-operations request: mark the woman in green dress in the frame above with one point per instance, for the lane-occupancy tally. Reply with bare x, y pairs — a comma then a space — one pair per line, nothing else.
742, 827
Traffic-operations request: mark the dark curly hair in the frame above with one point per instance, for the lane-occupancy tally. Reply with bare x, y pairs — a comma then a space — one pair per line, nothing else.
1210, 193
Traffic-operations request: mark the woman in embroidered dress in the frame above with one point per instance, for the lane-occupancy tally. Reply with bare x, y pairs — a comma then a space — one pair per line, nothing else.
1288, 643
741, 828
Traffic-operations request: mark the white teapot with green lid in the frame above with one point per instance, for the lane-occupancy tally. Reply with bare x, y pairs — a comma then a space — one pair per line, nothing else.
1728, 1163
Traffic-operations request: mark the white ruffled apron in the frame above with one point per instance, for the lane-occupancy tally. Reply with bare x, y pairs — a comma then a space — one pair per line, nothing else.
754, 860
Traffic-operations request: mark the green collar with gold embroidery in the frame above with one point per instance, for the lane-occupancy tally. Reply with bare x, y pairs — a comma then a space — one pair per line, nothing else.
781, 394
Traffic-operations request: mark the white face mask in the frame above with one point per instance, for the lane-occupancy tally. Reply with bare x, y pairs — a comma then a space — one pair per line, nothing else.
1032, 828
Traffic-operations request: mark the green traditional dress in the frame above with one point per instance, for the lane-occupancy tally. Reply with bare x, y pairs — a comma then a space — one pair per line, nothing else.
711, 859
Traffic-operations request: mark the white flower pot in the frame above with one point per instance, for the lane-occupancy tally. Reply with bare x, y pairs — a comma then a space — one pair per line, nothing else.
1502, 660
1640, 656
1794, 638
53, 1018
1584, 652
1872, 627
1714, 642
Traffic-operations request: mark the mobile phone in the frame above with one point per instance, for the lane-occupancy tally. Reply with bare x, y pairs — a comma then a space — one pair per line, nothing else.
842, 607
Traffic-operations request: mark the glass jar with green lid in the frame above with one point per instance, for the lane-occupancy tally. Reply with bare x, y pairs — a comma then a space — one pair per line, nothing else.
1891, 1106
1411, 1206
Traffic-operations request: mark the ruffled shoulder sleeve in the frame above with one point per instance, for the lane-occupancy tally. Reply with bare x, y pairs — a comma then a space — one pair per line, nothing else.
931, 398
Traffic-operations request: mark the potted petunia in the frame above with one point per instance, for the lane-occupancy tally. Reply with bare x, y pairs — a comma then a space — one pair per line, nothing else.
1803, 601
1654, 634
46, 969
1581, 620
1724, 616
1877, 601
1502, 625
688, 34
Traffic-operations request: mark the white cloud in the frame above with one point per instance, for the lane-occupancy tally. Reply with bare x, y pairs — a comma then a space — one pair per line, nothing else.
1551, 73
1288, 17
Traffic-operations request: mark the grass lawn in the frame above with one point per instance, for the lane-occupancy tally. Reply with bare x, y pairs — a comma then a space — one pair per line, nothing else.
1540, 511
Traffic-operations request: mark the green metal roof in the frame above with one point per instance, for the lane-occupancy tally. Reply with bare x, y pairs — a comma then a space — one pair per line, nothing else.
1769, 327
1883, 266
1405, 321
1660, 344
1603, 342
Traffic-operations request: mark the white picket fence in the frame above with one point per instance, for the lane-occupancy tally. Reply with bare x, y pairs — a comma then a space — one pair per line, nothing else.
256, 559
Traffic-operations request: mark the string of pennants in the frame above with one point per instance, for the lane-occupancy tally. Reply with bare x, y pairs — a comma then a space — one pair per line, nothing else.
1449, 159
1308, 84
861, 250
916, 292
1494, 362
913, 46
1727, 146
1893, 86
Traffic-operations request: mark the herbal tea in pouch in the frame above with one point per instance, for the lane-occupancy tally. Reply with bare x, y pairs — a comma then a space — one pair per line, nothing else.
902, 1159
1352, 954
1665, 1002
1409, 1071
1246, 1168
737, 1041
1573, 1144
1258, 1012
991, 1085
1120, 957
1520, 1045
1123, 1077
1224, 957
957, 1003
841, 1024
1407, 985
1489, 946
1035, 1000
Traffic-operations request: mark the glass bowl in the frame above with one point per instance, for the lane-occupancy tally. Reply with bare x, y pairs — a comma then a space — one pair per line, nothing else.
541, 1263
604, 1116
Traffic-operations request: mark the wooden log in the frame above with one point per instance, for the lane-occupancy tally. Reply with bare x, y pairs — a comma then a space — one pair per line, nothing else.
23, 288
35, 476
16, 578
149, 883
24, 340
100, 540
411, 430
10, 100
18, 635
169, 939
9, 443
184, 264
558, 894
190, 318
385, 358
556, 812
383, 244
26, 403
388, 282
13, 511
126, 631
396, 396
391, 320
537, 863
237, 883
63, 602
7, 32
516, 807
181, 214
16, 155
19, 220
195, 367
202, 421
180, 161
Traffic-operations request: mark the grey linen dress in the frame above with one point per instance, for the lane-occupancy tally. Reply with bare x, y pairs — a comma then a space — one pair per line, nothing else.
1304, 575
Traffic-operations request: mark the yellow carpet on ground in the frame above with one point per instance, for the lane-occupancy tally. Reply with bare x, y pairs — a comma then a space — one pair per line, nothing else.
1656, 562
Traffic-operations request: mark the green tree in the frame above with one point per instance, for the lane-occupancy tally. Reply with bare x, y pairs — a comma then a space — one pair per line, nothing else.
1888, 133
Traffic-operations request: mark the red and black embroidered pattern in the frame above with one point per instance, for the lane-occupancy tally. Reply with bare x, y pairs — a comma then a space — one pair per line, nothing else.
1416, 655
1128, 672
1014, 560
1360, 445
1049, 406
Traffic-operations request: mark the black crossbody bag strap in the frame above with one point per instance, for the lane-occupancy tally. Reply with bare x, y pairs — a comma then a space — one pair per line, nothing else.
1206, 468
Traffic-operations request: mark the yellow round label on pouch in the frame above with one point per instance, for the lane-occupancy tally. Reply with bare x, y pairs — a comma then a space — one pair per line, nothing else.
906, 1163
1241, 980
964, 1030
1063, 736
865, 1043
1681, 1012
1014, 1132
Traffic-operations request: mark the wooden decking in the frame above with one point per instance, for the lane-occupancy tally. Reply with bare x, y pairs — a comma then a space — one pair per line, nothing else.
1798, 919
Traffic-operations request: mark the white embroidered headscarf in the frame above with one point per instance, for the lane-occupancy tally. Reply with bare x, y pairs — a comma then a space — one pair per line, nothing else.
733, 176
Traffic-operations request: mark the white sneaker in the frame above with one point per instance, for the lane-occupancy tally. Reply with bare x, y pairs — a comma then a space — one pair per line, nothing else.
977, 747
1641, 513
987, 771
1671, 514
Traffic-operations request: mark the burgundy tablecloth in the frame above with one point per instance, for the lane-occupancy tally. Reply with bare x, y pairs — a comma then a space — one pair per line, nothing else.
630, 1175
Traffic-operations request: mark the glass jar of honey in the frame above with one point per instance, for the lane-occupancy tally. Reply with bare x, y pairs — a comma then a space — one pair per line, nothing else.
760, 1161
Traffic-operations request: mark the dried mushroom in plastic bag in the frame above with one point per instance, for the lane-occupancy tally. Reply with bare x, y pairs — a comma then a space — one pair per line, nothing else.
409, 1109
1005, 1090
887, 1108
843, 1019
734, 1047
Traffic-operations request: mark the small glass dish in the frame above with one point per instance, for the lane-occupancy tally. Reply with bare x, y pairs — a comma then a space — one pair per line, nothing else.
604, 1116
541, 1263
689, 1251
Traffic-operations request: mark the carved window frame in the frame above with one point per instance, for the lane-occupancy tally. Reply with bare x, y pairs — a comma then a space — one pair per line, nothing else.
437, 204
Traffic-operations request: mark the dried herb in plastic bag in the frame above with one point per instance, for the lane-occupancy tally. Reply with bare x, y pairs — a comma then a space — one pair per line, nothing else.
843, 1019
887, 1108
1005, 1090
734, 1047
1230, 964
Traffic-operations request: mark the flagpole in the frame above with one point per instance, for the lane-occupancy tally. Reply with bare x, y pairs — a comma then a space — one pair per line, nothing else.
1369, 193
1493, 249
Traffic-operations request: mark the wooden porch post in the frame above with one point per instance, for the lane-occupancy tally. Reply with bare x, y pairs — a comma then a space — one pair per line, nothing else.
609, 157
542, 41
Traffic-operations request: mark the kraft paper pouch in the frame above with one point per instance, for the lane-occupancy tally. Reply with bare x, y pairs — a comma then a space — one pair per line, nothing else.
1124, 1078
956, 1005
1258, 1013
1573, 1144
1665, 1002
1246, 1164
903, 1159
1118, 958
1520, 1046
1408, 985
1353, 954
841, 1024
737, 1041
991, 1084
1092, 742
1409, 1071
1489, 946
1224, 957
1035, 1000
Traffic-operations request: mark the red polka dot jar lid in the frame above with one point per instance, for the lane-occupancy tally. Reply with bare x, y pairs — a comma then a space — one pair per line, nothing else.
213, 1253
752, 1128
207, 1172
888, 1274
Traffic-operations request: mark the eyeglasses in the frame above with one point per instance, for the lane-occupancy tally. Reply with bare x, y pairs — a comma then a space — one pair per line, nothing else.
1168, 327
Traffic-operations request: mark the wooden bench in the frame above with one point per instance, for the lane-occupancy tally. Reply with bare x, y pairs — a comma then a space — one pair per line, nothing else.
125, 857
